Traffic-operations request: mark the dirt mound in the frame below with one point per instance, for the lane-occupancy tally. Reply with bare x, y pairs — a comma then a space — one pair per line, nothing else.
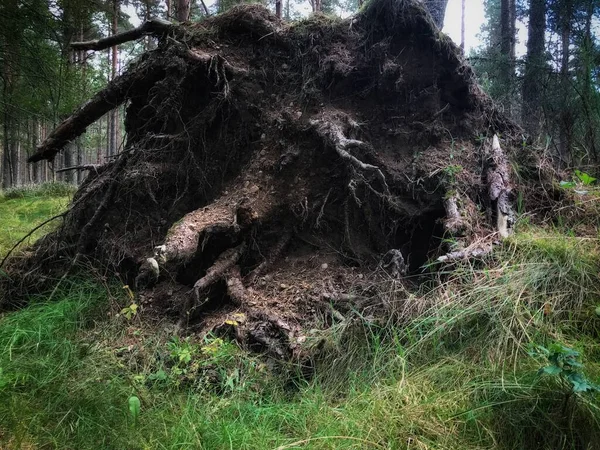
274, 173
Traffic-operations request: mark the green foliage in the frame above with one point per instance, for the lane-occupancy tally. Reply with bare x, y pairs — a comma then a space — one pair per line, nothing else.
565, 363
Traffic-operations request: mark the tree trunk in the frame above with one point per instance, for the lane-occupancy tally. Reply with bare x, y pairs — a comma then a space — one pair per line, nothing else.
507, 50
437, 9
114, 114
462, 26
588, 88
566, 116
183, 10
534, 68
278, 8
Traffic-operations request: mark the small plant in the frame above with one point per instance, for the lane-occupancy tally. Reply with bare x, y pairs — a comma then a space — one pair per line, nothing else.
565, 363
134, 408
451, 171
584, 178
579, 178
129, 312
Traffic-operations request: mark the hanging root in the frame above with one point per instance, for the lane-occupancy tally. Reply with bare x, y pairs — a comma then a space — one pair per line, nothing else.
332, 133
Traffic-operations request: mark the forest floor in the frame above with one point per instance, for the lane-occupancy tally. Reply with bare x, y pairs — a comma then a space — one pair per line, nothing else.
460, 373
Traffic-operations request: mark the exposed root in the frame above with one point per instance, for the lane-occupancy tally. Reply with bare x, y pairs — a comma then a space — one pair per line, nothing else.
499, 187
276, 252
226, 261
333, 134
454, 223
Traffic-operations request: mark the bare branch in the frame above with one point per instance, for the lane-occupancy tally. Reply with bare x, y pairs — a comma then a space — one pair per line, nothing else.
152, 26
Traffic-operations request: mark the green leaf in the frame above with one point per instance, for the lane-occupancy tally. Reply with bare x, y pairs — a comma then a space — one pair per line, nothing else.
585, 178
134, 408
567, 184
550, 370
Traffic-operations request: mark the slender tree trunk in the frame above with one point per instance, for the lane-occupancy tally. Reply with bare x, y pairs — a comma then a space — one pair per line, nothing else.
534, 68
114, 114
462, 26
35, 169
168, 5
278, 8
588, 88
183, 10
566, 116
507, 50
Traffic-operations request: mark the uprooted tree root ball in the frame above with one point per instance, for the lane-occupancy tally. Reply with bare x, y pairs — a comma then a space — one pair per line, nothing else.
274, 173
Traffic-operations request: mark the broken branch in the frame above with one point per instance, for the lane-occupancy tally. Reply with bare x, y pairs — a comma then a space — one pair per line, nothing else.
152, 26
119, 90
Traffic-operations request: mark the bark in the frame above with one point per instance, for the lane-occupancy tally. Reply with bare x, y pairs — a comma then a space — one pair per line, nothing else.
566, 118
183, 10
588, 88
278, 8
534, 68
114, 114
507, 50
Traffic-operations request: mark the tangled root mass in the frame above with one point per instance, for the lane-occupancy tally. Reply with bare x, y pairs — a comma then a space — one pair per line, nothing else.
273, 172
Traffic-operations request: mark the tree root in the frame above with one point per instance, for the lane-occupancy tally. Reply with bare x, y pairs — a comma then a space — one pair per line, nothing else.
332, 133
263, 267
499, 187
225, 261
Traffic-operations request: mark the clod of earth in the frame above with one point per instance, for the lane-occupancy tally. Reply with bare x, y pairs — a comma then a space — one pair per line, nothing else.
279, 172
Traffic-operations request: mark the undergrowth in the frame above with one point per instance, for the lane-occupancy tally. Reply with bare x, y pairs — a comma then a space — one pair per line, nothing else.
454, 368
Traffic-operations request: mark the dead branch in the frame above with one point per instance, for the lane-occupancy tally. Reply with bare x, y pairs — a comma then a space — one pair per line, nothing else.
93, 167
117, 91
235, 287
156, 26
454, 222
276, 252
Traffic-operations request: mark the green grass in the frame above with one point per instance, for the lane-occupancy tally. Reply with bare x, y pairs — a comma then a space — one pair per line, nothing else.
450, 370
22, 209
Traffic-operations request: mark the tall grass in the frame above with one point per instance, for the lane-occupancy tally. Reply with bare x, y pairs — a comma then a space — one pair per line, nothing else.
450, 369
